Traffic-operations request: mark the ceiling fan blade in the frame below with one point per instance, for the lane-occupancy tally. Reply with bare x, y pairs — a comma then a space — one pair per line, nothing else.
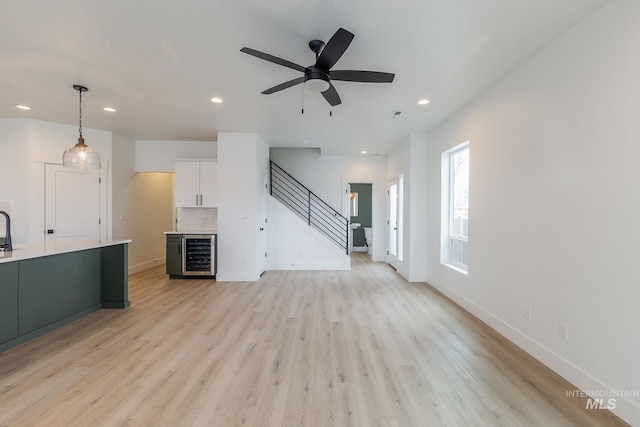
331, 95
361, 76
334, 49
273, 59
284, 85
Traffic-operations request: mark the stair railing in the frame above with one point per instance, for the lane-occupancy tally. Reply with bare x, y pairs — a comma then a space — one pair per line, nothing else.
312, 209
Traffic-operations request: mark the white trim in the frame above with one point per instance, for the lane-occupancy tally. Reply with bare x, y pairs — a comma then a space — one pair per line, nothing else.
310, 266
446, 212
237, 277
456, 268
625, 408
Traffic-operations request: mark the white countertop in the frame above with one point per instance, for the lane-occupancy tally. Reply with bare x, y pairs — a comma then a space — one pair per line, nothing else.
191, 232
22, 251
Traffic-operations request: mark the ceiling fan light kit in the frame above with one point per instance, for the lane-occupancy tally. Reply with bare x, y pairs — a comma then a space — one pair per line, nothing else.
317, 80
318, 77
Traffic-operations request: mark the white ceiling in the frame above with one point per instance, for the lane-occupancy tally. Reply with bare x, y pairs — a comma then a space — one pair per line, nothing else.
160, 61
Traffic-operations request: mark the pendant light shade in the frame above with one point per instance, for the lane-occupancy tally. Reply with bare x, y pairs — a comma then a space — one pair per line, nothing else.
80, 156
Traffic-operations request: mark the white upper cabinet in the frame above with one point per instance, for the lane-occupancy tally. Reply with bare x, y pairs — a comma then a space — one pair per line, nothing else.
209, 184
196, 184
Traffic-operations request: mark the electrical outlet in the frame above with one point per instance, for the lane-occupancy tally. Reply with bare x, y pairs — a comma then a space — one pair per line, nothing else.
564, 331
527, 312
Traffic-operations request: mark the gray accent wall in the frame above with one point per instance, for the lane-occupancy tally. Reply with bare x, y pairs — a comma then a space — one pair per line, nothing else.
364, 212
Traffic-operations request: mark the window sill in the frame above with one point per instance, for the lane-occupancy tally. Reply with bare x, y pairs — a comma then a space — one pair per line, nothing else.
458, 269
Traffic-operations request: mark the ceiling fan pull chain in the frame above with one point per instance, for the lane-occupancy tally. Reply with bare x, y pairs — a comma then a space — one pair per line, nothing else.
302, 109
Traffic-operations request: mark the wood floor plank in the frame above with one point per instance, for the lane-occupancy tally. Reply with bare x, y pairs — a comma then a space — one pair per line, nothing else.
296, 348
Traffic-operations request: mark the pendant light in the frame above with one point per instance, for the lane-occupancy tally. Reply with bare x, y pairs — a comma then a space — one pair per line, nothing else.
80, 156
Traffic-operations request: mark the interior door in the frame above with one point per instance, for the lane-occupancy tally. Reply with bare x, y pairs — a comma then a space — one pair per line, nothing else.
392, 248
262, 225
72, 203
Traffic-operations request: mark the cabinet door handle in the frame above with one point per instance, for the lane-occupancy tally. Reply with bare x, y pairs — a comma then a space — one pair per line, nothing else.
196, 200
201, 200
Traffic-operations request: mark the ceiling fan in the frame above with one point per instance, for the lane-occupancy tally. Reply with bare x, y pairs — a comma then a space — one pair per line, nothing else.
319, 75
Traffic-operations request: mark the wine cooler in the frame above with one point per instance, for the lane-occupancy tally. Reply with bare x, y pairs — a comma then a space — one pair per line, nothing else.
199, 255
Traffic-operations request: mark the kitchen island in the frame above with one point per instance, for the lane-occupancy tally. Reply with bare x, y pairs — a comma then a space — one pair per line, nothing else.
45, 285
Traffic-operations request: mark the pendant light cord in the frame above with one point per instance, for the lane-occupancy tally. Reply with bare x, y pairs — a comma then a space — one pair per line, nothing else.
80, 91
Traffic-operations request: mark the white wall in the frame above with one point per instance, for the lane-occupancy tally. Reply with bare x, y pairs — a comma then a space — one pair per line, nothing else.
14, 152
409, 160
326, 176
152, 215
302, 248
417, 209
27, 145
160, 156
142, 207
123, 151
554, 204
47, 142
241, 158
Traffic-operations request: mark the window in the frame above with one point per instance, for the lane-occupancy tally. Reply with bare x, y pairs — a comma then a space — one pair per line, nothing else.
455, 207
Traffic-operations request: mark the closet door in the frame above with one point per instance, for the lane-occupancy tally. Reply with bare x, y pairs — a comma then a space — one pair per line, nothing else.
72, 203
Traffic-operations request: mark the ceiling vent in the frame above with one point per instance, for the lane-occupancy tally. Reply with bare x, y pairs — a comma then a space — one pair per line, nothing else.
395, 114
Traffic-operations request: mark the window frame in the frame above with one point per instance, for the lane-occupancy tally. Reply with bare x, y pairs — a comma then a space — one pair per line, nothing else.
448, 236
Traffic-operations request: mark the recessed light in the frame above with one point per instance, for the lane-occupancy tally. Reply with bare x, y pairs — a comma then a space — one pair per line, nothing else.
363, 152
423, 101
23, 107
109, 109
216, 100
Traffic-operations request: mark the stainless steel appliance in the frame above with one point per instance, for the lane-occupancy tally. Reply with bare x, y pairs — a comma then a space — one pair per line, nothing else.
199, 255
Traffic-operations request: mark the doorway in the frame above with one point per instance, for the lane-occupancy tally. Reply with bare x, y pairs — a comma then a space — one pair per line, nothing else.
360, 212
392, 247
395, 221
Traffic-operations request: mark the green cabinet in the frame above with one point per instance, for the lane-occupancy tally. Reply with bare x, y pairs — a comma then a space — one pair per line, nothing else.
174, 255
114, 276
39, 294
44, 300
8, 301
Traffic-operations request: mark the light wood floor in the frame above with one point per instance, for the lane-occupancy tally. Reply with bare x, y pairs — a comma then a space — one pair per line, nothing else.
356, 348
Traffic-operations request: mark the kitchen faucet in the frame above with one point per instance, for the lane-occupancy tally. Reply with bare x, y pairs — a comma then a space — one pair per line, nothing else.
7, 246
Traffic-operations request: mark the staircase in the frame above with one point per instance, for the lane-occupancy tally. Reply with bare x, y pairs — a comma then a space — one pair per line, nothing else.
305, 204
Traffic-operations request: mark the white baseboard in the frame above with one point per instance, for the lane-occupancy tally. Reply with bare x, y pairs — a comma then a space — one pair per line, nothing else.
146, 265
624, 408
311, 266
237, 277
360, 249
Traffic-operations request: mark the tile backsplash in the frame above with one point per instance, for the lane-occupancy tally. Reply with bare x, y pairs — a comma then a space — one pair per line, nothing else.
197, 219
